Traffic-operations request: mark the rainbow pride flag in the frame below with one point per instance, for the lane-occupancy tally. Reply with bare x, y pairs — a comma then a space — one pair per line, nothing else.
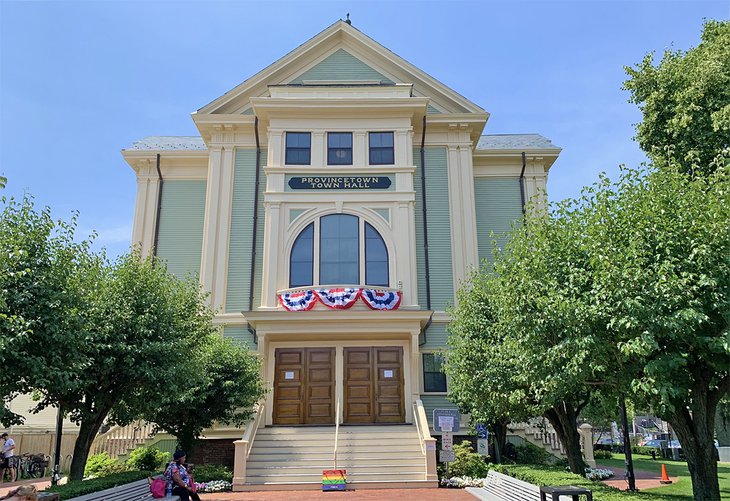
334, 480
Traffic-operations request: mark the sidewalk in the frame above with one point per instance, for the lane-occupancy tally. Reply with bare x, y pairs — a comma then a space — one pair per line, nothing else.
362, 494
644, 479
40, 484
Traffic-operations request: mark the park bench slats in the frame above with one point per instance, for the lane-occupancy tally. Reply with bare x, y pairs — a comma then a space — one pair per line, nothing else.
499, 487
135, 491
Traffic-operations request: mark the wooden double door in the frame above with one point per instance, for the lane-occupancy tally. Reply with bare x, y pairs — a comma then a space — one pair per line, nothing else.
374, 385
304, 385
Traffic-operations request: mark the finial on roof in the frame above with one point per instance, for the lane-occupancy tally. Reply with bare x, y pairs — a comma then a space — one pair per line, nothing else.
348, 19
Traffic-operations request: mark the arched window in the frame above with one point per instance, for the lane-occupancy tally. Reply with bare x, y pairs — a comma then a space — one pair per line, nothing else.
346, 250
302, 258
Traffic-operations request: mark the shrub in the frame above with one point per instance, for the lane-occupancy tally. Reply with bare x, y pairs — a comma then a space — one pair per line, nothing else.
602, 454
147, 458
77, 488
207, 473
102, 465
531, 454
644, 450
468, 463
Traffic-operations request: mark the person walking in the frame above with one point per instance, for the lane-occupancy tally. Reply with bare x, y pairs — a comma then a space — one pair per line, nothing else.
7, 461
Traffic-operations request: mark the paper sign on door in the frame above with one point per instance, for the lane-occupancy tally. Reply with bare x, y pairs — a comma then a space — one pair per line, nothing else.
388, 374
289, 375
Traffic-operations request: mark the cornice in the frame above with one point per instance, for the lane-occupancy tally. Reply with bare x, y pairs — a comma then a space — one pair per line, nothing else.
363, 318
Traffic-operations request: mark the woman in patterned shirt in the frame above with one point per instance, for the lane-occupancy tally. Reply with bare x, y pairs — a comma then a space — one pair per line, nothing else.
179, 479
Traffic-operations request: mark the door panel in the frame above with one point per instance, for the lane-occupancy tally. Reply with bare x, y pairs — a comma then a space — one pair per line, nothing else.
374, 385
289, 386
389, 407
304, 386
359, 405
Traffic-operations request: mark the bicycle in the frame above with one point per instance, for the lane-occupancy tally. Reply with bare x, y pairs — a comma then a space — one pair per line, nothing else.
31, 465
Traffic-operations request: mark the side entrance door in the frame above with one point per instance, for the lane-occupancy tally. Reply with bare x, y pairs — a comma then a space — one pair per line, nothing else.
374, 385
304, 386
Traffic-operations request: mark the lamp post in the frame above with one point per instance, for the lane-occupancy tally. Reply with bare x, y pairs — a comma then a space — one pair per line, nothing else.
627, 448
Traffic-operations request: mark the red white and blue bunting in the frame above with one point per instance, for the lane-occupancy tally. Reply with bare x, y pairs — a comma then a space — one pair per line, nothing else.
298, 301
341, 298
381, 300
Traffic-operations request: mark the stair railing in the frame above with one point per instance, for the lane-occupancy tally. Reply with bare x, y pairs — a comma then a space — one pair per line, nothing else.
243, 447
250, 433
337, 432
427, 442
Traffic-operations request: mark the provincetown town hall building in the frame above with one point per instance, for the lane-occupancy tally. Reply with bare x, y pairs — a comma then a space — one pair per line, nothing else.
332, 205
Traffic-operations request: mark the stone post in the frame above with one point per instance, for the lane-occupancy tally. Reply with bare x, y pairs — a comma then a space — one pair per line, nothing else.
239, 464
430, 444
586, 436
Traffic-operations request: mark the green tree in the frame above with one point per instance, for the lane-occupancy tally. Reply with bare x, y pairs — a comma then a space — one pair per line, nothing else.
685, 101
40, 301
3, 181
659, 246
224, 388
481, 370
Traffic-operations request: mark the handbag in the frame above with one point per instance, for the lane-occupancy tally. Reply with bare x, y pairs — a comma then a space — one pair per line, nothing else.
157, 487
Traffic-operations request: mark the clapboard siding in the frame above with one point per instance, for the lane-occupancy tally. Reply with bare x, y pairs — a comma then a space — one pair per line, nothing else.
238, 333
180, 238
435, 336
431, 402
241, 237
498, 206
341, 65
439, 229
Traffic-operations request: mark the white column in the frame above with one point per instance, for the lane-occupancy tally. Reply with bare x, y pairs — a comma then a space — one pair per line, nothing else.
470, 246
145, 211
272, 251
456, 215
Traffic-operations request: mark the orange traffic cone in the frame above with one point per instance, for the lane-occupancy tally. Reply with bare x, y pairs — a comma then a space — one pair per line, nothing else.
665, 477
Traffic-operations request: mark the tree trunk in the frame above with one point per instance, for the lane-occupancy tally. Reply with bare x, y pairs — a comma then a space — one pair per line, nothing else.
87, 433
696, 436
563, 417
499, 429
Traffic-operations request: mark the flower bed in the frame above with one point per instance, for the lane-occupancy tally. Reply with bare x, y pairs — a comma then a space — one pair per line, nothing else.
213, 486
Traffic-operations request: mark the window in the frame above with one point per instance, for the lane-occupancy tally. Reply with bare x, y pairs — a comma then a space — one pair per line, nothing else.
298, 148
339, 148
345, 248
376, 258
381, 148
433, 379
302, 258
339, 250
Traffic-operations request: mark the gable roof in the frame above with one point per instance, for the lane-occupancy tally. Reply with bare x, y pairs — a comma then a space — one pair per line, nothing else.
515, 142
320, 58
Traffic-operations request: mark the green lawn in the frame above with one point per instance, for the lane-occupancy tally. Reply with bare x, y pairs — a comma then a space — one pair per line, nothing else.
679, 491
682, 489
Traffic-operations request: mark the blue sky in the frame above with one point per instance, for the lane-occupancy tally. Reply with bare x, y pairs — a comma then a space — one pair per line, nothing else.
80, 80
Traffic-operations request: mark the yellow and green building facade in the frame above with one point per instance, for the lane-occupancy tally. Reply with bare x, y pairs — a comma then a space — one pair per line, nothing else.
331, 205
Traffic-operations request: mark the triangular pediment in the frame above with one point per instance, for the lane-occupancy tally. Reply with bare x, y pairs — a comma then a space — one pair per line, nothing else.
341, 66
341, 53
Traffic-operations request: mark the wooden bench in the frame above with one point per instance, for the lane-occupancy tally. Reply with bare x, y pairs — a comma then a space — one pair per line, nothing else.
135, 491
500, 487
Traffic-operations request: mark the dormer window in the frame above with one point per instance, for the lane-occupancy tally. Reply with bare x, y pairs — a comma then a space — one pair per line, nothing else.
298, 148
381, 148
344, 248
339, 148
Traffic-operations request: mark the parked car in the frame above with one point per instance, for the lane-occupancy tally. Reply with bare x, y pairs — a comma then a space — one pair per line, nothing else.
653, 443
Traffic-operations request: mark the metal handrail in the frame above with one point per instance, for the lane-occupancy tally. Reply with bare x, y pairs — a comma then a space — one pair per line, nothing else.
250, 434
337, 432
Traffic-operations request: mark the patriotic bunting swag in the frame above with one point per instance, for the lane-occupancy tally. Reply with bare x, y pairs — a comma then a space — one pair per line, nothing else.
298, 301
381, 300
340, 299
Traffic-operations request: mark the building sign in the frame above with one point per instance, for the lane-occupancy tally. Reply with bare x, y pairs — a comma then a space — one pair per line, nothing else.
339, 183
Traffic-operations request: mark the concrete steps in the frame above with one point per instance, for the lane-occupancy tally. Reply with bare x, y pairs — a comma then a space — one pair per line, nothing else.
374, 456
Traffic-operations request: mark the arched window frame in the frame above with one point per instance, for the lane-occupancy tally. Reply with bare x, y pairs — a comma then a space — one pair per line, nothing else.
362, 257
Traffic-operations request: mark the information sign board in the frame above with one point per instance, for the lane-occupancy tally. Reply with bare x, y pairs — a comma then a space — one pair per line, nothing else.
447, 456
482, 446
482, 430
446, 420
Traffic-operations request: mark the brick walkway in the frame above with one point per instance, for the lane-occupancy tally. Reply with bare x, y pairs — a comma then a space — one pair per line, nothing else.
364, 494
40, 484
